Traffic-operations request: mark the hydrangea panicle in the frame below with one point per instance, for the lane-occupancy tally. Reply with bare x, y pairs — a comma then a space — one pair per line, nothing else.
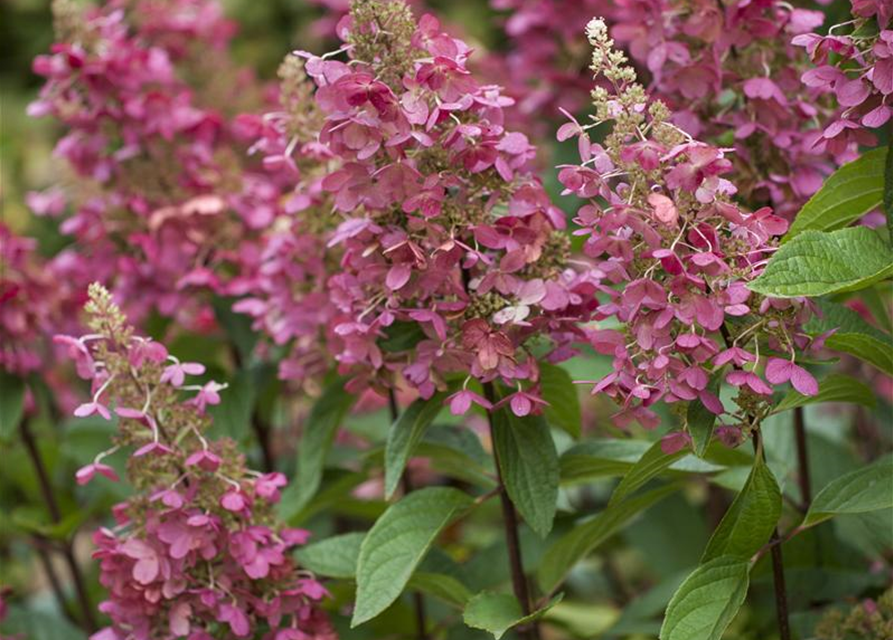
676, 253
197, 551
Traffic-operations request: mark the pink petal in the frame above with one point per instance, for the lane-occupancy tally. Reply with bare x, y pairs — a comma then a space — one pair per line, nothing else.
803, 381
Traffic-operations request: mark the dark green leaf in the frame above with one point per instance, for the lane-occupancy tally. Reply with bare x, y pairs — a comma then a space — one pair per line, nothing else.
867, 489
750, 520
499, 612
652, 463
398, 542
401, 336
561, 393
528, 463
888, 185
12, 398
853, 335
575, 545
333, 557
237, 327
232, 417
700, 420
835, 388
848, 194
441, 586
593, 459
319, 433
818, 263
405, 434
707, 601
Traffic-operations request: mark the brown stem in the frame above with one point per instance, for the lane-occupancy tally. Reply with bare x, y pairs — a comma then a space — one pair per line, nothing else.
42, 547
781, 598
262, 433
802, 459
46, 490
418, 598
510, 523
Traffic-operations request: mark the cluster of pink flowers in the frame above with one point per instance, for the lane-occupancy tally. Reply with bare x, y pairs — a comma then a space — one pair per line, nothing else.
451, 256
165, 203
857, 68
728, 71
197, 551
676, 254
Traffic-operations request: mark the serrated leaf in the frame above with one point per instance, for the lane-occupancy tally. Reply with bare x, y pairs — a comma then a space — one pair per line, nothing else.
652, 463
601, 458
528, 463
333, 557
867, 489
853, 335
750, 520
816, 263
700, 420
398, 542
575, 545
405, 434
559, 390
319, 432
846, 195
441, 586
12, 399
835, 388
496, 613
707, 601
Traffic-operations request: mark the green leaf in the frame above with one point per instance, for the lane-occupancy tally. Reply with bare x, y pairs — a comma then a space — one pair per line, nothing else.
456, 452
848, 194
652, 463
888, 186
401, 336
398, 542
12, 398
700, 420
750, 520
34, 624
867, 489
559, 390
853, 335
816, 263
442, 586
707, 600
405, 435
575, 545
319, 433
236, 325
334, 557
496, 613
232, 417
600, 458
528, 463
835, 388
